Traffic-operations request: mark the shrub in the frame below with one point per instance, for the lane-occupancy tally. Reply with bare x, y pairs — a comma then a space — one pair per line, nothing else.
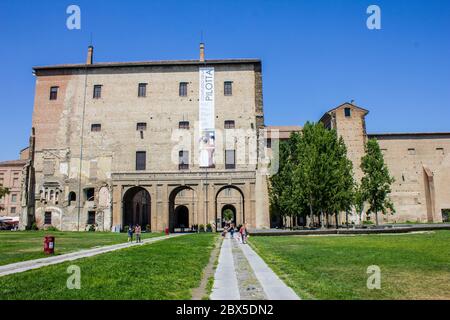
208, 227
201, 228
34, 227
148, 228
51, 228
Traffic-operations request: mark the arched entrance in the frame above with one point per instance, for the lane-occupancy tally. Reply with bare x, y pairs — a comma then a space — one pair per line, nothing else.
182, 209
228, 214
181, 218
136, 207
230, 195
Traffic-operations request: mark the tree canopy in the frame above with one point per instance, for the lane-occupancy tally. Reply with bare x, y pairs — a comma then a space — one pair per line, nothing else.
376, 183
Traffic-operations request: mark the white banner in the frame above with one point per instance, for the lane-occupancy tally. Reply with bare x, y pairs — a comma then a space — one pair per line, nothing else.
206, 117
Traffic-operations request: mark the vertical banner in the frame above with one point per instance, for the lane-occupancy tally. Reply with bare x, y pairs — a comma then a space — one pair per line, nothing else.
206, 117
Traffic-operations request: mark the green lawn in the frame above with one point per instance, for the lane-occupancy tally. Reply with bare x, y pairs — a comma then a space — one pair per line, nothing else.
26, 245
168, 269
413, 266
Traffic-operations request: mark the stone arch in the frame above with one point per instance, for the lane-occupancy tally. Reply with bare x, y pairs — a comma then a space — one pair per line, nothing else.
72, 198
137, 207
190, 204
239, 219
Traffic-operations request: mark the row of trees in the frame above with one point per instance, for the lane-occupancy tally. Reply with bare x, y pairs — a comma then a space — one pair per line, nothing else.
315, 178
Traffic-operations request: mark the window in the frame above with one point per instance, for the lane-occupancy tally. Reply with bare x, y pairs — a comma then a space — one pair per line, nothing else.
141, 126
229, 124
72, 198
141, 157
142, 90
411, 151
15, 182
440, 151
228, 88
48, 217
230, 162
183, 162
89, 192
348, 112
97, 91
269, 143
13, 198
91, 217
183, 89
183, 125
13, 210
96, 127
54, 93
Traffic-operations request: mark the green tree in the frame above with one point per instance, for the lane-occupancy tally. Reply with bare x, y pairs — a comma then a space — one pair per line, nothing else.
376, 183
228, 215
359, 201
323, 172
314, 175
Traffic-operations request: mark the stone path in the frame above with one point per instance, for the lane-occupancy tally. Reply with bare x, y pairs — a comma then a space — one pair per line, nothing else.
39, 263
243, 275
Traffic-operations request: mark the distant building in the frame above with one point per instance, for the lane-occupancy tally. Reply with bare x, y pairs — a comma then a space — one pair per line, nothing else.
11, 178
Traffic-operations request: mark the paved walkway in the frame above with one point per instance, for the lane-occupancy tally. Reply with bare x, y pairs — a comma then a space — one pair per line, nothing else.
39, 263
243, 275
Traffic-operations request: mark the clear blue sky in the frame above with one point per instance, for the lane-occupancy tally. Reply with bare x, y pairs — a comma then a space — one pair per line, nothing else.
316, 54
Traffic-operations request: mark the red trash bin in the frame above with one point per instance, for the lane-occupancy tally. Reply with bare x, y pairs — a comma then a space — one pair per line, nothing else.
49, 244
167, 231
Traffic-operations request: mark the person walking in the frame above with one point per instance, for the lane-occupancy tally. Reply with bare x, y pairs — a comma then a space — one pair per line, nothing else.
243, 232
231, 230
138, 232
130, 233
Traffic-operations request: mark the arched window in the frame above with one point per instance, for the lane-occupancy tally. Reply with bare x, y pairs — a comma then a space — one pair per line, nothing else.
72, 198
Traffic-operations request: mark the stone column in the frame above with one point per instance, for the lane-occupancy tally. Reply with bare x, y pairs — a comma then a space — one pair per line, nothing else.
117, 204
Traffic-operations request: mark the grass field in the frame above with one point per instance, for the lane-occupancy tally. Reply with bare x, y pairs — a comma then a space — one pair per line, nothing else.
168, 269
413, 266
26, 245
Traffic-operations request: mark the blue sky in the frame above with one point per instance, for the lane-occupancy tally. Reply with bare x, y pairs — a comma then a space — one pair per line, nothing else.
316, 54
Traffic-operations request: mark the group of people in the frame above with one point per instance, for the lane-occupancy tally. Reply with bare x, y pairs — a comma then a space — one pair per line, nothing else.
242, 231
136, 230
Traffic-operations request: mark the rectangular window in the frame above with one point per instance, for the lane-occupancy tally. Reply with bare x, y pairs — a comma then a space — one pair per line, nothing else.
13, 198
183, 125
230, 160
348, 112
269, 143
97, 91
229, 124
96, 127
54, 93
141, 159
91, 217
228, 88
15, 182
48, 217
142, 90
13, 210
90, 194
183, 162
183, 89
141, 126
